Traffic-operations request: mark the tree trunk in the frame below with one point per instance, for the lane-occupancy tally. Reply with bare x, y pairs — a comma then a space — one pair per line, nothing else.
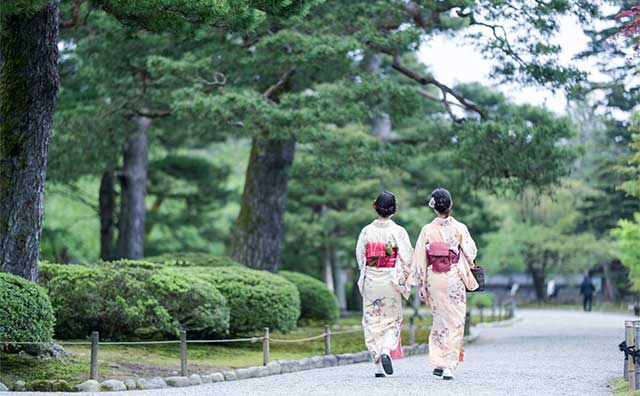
107, 215
327, 270
537, 275
341, 283
356, 297
133, 191
257, 236
380, 122
614, 294
28, 88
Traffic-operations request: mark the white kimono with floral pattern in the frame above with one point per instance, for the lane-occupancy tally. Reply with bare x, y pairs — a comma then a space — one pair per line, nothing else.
445, 292
382, 288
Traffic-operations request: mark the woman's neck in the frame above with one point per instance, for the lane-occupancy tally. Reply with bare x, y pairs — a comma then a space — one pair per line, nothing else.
380, 218
442, 216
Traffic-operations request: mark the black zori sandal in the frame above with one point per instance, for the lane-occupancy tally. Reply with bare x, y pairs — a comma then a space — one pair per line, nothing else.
380, 375
386, 364
438, 372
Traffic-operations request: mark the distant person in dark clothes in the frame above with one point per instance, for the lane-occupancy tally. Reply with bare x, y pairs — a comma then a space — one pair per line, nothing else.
587, 288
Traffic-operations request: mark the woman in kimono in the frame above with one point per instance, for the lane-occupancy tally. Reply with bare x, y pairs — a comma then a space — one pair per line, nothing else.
384, 254
444, 255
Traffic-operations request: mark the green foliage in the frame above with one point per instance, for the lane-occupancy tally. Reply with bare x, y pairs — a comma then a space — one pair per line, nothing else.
539, 233
114, 303
604, 148
317, 301
29, 368
257, 299
627, 236
49, 386
193, 304
176, 15
131, 299
186, 192
478, 300
21, 7
26, 314
192, 260
632, 170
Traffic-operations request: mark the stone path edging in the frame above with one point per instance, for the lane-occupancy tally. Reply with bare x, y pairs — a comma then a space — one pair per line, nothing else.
274, 368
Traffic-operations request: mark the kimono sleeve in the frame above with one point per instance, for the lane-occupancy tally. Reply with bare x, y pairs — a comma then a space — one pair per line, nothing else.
361, 254
420, 256
405, 250
467, 243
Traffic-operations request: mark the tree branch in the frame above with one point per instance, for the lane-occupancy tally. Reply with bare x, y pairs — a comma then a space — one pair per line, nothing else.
219, 79
502, 39
273, 91
428, 80
153, 113
75, 14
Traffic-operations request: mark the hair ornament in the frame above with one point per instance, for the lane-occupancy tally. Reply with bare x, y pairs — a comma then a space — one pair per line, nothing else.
432, 203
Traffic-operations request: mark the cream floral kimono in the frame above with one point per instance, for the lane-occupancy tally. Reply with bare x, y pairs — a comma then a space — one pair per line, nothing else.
445, 292
382, 288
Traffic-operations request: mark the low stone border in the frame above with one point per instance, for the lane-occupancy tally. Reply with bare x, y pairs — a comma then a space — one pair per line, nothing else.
273, 368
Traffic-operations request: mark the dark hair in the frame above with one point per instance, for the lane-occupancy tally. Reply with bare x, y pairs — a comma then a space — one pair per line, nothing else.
442, 200
386, 204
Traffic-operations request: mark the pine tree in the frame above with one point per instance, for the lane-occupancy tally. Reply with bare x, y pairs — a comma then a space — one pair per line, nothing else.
28, 88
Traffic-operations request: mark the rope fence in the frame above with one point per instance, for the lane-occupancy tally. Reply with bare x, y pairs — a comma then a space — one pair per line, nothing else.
266, 340
183, 342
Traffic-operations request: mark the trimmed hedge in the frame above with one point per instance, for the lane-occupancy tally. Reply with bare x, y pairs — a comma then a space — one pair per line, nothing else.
192, 260
317, 301
131, 299
196, 306
480, 299
26, 314
257, 299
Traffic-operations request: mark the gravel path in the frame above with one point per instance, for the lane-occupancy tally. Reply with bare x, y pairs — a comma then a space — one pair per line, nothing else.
549, 352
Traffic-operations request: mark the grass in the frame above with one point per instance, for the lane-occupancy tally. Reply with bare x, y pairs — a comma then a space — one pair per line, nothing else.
620, 387
121, 361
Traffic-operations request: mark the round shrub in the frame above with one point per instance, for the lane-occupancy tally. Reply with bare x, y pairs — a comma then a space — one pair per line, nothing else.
192, 260
194, 304
131, 299
257, 299
26, 314
112, 302
316, 300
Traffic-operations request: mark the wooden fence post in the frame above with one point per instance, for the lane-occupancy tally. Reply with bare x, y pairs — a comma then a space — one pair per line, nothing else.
93, 372
493, 311
412, 331
327, 339
635, 374
481, 309
467, 323
183, 353
265, 347
628, 339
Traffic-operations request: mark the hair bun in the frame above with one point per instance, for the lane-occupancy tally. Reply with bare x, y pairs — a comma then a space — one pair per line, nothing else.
386, 204
441, 199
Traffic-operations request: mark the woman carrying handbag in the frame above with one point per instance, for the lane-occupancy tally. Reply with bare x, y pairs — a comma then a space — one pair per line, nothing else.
444, 257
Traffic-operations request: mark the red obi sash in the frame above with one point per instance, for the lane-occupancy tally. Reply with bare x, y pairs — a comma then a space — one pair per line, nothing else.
377, 255
440, 256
